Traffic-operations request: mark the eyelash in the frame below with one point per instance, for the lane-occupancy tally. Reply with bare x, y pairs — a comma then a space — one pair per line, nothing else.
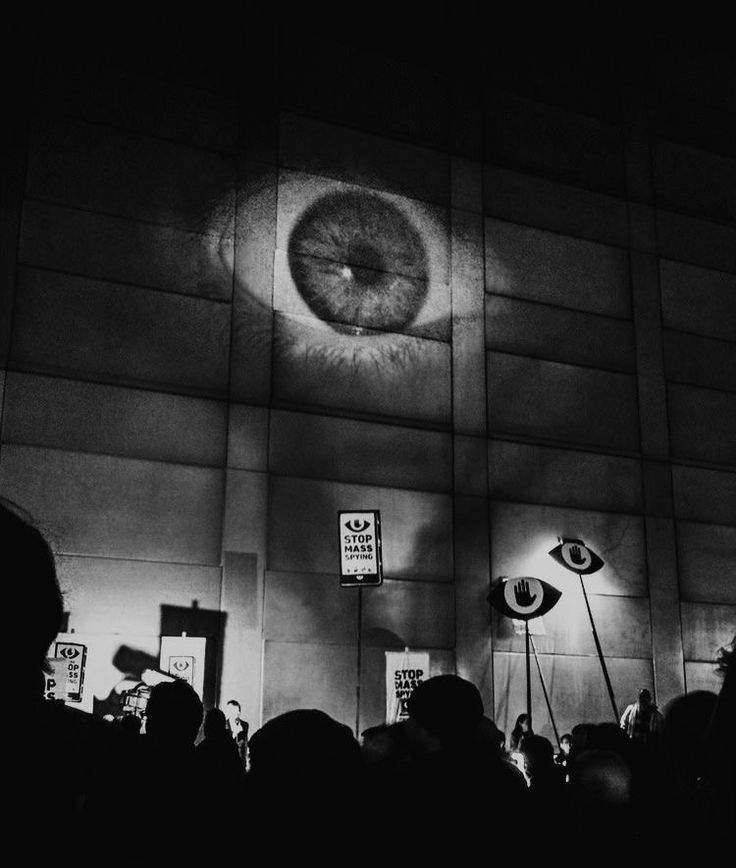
326, 347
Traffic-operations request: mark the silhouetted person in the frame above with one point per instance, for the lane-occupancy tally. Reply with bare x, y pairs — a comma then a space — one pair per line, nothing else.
602, 823
54, 749
217, 753
583, 738
547, 789
641, 720
683, 802
155, 789
304, 788
385, 743
521, 728
457, 780
565, 745
720, 752
238, 729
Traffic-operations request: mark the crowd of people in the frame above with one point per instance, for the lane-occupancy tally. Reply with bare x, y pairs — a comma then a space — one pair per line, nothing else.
443, 784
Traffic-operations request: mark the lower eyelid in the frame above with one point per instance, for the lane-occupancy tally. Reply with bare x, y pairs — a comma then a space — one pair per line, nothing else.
313, 340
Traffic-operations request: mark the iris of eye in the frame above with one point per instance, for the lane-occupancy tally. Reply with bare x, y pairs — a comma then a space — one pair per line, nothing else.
357, 261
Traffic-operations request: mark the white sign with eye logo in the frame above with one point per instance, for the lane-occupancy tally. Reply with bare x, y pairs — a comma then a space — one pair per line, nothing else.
360, 548
183, 657
75, 655
524, 595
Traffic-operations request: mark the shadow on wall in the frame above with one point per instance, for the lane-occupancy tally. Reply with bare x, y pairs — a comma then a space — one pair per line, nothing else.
132, 663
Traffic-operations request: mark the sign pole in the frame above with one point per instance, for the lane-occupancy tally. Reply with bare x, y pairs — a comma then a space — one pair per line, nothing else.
357, 680
528, 678
599, 650
546, 695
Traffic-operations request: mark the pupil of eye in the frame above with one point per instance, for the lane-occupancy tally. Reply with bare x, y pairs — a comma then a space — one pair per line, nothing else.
357, 260
371, 263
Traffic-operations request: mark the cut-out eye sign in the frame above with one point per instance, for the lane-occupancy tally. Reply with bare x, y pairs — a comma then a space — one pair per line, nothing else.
523, 597
574, 555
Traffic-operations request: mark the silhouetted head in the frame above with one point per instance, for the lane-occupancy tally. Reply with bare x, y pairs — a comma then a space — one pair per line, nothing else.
130, 724
522, 723
565, 743
489, 736
583, 737
725, 657
232, 710
687, 719
539, 755
645, 698
600, 779
173, 713
385, 742
610, 736
302, 746
31, 588
447, 707
215, 723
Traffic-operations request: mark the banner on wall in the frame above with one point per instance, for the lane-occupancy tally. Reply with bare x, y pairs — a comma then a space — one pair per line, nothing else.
404, 671
183, 657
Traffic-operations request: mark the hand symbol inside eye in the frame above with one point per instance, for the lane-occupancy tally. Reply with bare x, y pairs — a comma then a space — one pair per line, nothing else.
521, 593
576, 555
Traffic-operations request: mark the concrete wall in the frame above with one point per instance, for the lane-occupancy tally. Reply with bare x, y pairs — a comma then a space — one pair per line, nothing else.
185, 426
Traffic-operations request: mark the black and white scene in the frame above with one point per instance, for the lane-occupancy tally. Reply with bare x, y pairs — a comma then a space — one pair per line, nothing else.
368, 435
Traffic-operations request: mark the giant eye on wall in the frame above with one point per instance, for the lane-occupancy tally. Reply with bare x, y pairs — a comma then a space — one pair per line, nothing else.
348, 305
357, 261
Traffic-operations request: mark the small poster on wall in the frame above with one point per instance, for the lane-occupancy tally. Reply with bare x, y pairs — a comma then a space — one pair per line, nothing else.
55, 679
184, 658
404, 671
75, 655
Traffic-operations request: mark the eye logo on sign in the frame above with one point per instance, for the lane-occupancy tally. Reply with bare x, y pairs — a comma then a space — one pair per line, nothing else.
523, 597
574, 555
357, 526
70, 652
182, 666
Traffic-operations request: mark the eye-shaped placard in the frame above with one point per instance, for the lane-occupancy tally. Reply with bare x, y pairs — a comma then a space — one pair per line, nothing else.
523, 597
574, 555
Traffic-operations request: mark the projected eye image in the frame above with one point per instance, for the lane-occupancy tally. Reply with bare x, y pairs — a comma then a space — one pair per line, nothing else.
359, 263
360, 302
